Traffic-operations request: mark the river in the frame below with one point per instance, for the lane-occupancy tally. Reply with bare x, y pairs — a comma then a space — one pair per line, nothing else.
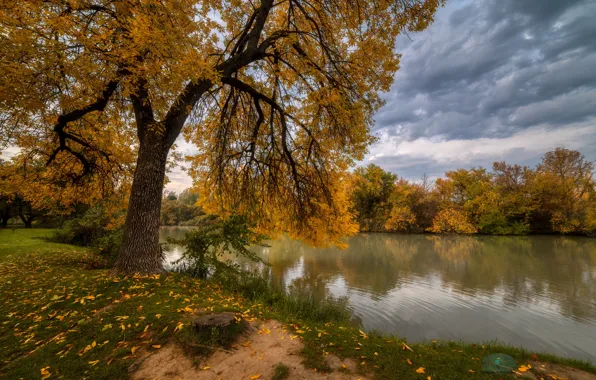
538, 292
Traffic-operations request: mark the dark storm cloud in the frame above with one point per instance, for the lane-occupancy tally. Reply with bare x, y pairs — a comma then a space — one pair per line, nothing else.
490, 80
493, 68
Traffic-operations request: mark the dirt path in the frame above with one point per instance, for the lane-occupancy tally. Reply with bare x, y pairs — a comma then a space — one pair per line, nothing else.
258, 351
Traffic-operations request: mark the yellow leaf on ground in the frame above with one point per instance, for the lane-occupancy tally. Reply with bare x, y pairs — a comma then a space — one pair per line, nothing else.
255, 377
343, 366
428, 378
134, 349
523, 368
206, 368
156, 346
93, 362
420, 370
45, 373
409, 362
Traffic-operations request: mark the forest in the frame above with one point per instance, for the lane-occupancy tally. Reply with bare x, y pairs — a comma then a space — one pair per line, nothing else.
556, 196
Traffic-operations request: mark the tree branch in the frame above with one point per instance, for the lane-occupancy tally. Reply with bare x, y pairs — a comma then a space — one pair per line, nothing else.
98, 105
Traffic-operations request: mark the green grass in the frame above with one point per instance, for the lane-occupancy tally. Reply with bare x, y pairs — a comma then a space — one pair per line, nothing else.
58, 311
385, 356
281, 372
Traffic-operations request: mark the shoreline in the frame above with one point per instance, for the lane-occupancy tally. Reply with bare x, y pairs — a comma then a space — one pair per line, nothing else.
62, 310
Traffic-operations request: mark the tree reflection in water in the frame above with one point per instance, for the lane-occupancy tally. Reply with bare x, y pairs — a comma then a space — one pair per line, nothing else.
536, 291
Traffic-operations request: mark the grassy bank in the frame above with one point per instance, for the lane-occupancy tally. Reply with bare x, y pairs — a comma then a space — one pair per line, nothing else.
62, 315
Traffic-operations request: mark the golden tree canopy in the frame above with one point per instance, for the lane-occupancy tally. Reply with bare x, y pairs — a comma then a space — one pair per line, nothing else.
278, 96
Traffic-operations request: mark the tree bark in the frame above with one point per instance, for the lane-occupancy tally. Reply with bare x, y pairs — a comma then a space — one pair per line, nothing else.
140, 251
27, 220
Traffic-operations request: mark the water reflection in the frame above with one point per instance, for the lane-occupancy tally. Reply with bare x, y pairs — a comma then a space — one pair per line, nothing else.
535, 291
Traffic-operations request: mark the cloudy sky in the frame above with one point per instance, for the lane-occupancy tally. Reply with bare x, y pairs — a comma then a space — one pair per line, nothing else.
488, 81
492, 80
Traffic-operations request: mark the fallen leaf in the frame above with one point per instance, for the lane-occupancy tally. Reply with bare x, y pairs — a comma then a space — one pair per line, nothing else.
409, 362
420, 370
93, 362
45, 373
405, 347
206, 368
156, 346
523, 368
134, 349
255, 377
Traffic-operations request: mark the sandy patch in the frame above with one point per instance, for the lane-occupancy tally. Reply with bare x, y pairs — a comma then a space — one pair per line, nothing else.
257, 352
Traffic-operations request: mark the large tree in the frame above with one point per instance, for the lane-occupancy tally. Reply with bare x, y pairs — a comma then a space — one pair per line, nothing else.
277, 95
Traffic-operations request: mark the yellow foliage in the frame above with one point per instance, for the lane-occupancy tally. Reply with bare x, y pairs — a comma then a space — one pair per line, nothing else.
278, 97
452, 221
400, 219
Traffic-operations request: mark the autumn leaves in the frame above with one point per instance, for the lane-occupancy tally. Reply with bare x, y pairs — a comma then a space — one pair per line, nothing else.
557, 196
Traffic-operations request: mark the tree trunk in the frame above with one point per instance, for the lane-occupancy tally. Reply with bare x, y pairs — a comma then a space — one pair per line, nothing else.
140, 251
27, 221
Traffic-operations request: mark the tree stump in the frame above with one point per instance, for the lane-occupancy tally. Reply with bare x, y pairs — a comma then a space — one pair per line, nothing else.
217, 329
219, 320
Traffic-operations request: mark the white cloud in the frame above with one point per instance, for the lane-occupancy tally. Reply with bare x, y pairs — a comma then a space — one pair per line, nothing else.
9, 152
528, 144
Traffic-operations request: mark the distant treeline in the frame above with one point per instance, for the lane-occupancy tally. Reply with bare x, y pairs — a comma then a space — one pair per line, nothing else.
180, 210
557, 196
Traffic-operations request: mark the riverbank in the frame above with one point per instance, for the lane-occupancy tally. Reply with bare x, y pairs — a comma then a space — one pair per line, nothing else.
63, 316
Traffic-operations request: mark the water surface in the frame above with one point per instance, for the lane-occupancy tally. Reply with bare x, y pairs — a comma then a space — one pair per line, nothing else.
538, 292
